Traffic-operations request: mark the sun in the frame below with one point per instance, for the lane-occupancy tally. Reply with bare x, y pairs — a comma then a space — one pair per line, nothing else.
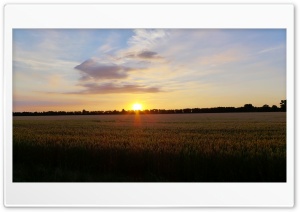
137, 106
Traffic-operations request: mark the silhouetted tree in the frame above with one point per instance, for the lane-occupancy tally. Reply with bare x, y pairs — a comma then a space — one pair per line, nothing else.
187, 110
248, 107
85, 112
274, 108
265, 108
283, 105
178, 111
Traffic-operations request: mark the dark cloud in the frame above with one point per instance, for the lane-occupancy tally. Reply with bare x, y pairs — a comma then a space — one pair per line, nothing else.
93, 69
94, 88
146, 55
149, 55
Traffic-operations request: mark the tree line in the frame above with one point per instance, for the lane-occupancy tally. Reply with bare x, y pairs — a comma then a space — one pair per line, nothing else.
245, 108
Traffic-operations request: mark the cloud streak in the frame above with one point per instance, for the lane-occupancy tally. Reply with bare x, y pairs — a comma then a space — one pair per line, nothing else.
144, 55
271, 49
148, 55
108, 88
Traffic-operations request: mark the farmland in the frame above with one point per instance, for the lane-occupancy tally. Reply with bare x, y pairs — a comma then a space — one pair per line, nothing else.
208, 147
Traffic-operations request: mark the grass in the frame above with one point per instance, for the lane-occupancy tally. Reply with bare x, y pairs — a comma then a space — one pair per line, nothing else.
236, 147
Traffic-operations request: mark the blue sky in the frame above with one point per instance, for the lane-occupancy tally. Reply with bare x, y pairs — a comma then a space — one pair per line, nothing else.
107, 69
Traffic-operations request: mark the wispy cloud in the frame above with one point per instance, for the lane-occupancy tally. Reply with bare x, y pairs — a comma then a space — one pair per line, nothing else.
144, 39
109, 45
94, 88
271, 49
221, 58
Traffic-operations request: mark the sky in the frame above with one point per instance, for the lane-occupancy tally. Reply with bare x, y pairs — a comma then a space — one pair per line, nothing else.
112, 69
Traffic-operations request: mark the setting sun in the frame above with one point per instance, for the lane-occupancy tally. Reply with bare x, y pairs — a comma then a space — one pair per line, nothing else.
137, 106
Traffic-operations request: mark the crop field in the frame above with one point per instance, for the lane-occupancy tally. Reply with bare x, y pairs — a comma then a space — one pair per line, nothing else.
207, 147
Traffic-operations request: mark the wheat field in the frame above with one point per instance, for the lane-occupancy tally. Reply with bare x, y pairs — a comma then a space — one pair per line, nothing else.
208, 147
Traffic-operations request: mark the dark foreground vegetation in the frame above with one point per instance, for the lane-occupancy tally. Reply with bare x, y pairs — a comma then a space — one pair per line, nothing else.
245, 108
244, 147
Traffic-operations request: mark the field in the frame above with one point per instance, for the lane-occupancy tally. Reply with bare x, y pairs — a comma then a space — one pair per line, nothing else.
208, 147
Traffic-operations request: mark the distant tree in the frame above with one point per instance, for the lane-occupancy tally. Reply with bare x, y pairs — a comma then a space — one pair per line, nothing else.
283, 105
248, 107
265, 108
178, 111
274, 108
187, 110
196, 110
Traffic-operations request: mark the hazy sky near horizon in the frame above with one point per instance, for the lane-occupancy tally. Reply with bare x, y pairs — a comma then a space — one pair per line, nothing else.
108, 69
